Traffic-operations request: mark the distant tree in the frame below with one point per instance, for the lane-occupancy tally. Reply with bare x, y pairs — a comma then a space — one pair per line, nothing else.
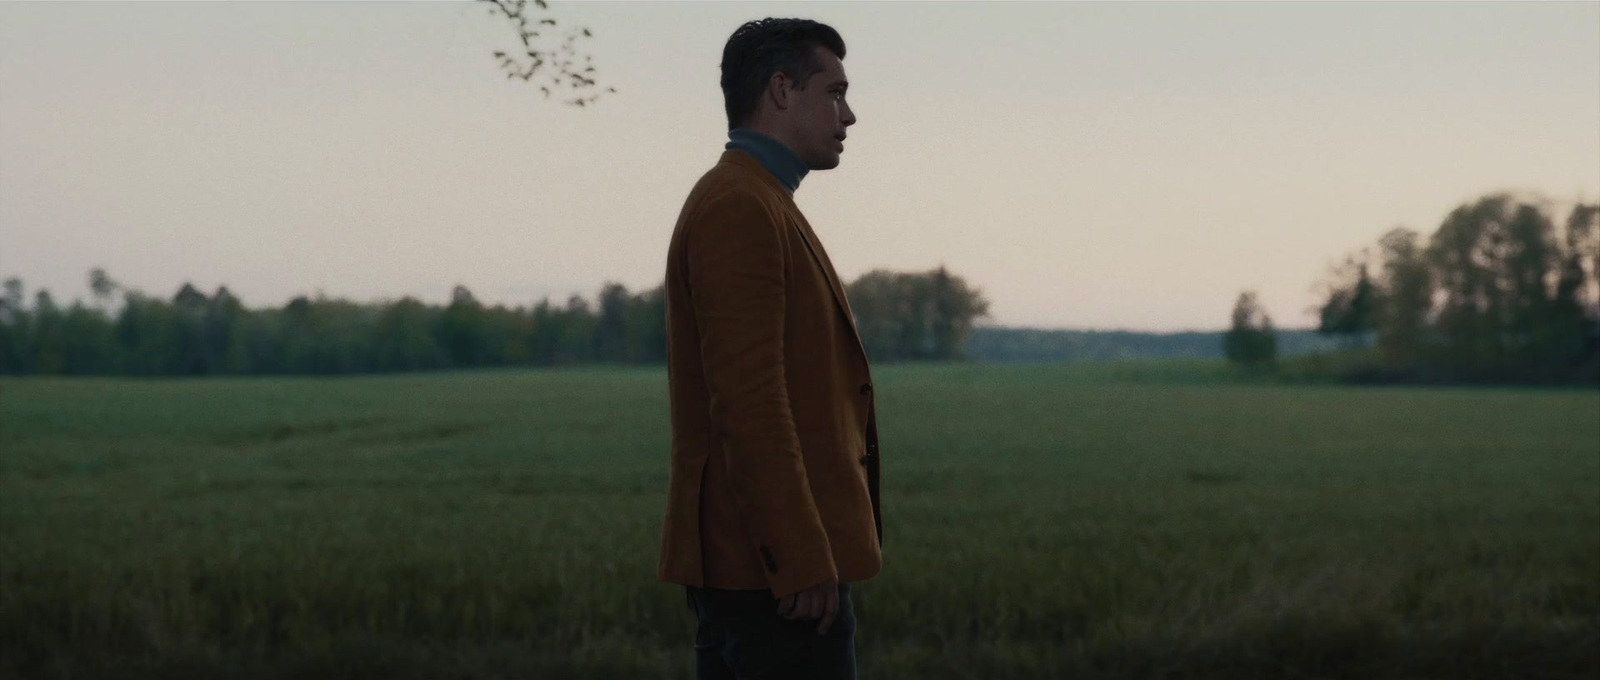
1351, 311
577, 324
1581, 257
518, 341
920, 315
946, 342
874, 299
501, 330
1532, 260
341, 336
914, 298
956, 307
1484, 292
647, 326
16, 329
47, 343
224, 318
1403, 320
297, 336
611, 329
12, 299
1575, 306
403, 338
85, 341
1495, 260
192, 352
544, 341
461, 329
1250, 340
101, 285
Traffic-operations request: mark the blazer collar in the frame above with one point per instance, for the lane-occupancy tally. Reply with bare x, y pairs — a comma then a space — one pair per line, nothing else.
744, 160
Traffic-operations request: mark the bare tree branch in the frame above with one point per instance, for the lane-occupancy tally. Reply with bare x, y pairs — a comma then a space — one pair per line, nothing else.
559, 67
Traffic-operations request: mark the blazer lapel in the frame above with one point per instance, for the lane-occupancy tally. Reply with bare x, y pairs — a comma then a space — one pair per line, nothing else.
754, 167
821, 257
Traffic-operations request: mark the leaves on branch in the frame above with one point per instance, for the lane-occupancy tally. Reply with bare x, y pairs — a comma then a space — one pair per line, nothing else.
559, 66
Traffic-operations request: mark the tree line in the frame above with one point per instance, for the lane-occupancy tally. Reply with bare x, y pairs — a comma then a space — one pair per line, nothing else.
122, 331
1497, 294
997, 344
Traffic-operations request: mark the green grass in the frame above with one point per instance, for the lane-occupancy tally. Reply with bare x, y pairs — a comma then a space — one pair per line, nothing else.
1091, 521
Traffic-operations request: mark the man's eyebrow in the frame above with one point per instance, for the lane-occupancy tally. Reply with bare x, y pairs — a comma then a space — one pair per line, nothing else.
840, 84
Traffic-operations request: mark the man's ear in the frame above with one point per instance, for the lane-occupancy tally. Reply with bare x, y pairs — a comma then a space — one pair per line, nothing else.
780, 91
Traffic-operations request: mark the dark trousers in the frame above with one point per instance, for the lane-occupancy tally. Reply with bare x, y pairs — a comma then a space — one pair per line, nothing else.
739, 635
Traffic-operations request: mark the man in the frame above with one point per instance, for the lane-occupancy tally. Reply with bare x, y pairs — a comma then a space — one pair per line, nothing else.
773, 501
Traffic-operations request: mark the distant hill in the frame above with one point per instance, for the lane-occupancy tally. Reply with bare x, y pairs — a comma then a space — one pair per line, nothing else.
996, 344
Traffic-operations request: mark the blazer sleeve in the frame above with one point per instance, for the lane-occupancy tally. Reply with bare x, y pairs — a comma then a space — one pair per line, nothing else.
737, 287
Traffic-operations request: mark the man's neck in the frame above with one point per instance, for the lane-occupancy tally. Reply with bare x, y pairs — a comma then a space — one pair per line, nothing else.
773, 155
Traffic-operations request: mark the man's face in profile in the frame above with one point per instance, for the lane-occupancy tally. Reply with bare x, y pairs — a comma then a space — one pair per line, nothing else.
821, 114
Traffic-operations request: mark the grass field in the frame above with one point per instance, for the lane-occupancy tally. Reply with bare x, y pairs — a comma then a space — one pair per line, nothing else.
1082, 521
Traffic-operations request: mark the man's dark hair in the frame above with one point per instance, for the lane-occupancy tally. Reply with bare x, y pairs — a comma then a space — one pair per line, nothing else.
767, 46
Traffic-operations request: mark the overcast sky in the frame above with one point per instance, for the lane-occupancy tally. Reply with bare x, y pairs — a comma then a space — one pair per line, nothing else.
1088, 165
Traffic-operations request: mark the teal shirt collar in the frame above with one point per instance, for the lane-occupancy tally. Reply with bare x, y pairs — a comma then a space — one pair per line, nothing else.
778, 159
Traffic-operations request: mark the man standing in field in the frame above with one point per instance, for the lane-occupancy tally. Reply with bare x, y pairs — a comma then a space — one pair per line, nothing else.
772, 506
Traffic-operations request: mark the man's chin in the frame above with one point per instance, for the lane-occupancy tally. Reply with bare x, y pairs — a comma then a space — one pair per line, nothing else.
829, 163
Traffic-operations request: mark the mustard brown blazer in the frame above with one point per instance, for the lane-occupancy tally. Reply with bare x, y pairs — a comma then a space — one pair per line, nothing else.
774, 477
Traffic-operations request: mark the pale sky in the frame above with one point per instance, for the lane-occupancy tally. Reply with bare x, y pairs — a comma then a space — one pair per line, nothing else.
1087, 165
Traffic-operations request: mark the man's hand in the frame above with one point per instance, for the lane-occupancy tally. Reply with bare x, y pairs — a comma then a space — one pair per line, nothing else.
818, 601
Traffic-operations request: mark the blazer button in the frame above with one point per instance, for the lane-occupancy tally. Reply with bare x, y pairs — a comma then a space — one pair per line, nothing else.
866, 387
